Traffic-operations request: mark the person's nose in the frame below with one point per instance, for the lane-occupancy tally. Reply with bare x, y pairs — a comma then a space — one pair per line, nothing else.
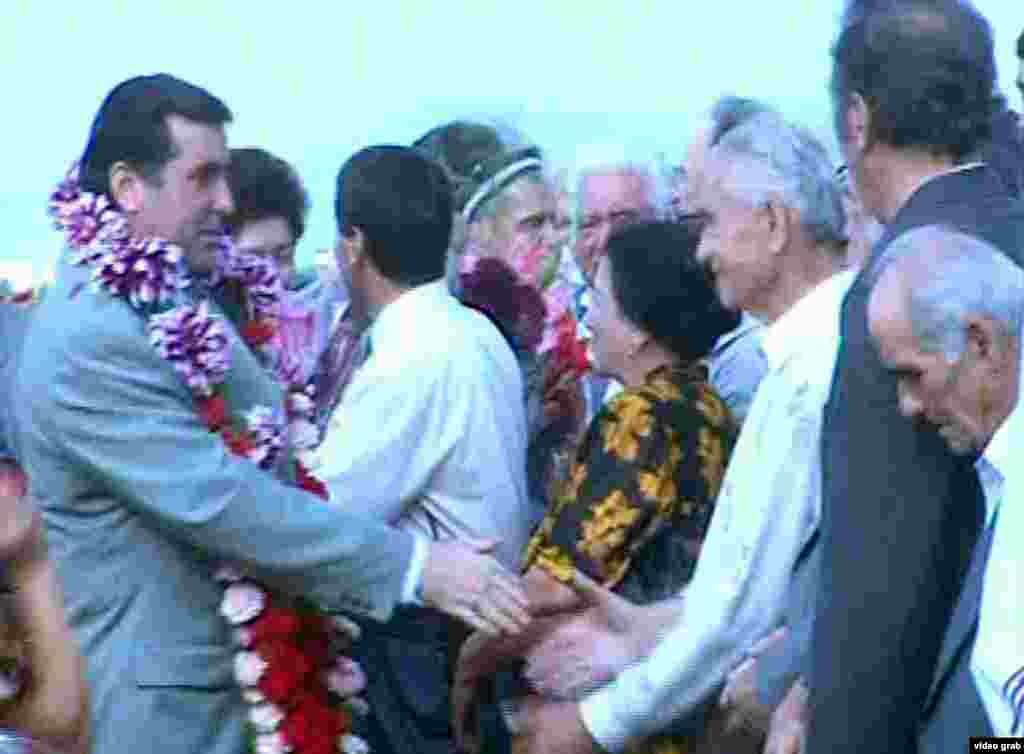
222, 200
911, 405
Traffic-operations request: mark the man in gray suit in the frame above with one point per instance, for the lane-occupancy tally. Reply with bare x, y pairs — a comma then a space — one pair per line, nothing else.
141, 500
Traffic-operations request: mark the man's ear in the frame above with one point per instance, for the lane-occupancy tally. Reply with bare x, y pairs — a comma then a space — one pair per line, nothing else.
127, 187
985, 341
354, 244
779, 224
858, 123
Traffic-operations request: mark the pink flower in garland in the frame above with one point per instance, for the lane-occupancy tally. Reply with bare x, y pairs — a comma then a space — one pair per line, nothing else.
144, 272
257, 276
195, 343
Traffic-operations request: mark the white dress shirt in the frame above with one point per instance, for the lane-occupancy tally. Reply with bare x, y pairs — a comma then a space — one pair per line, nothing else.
431, 432
997, 662
767, 510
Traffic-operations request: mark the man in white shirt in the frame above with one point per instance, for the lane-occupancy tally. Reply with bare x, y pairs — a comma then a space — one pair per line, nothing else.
946, 314
774, 243
430, 435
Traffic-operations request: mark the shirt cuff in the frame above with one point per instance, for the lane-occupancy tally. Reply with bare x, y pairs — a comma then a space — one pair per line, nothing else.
599, 720
412, 587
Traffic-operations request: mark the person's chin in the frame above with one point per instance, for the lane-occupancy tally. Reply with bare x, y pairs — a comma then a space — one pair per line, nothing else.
959, 443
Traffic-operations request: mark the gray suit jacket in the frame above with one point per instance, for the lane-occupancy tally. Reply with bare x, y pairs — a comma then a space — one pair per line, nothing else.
140, 500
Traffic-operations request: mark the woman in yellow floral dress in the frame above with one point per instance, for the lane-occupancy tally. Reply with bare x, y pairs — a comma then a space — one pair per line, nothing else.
637, 500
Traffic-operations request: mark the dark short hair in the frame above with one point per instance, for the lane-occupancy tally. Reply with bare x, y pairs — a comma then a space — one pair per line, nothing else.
1020, 46
662, 289
263, 186
926, 69
131, 126
402, 202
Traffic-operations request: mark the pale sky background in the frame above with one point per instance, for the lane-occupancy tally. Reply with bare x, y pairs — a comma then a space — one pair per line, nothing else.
315, 81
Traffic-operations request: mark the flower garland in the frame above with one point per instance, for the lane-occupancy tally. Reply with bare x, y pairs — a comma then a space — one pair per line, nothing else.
548, 329
300, 689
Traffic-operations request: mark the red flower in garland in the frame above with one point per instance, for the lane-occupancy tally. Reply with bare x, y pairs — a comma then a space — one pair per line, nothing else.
274, 623
214, 412
311, 725
239, 443
310, 483
570, 351
317, 650
259, 332
287, 670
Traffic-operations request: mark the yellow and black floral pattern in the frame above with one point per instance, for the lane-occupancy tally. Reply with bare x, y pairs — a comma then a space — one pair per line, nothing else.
638, 499
649, 468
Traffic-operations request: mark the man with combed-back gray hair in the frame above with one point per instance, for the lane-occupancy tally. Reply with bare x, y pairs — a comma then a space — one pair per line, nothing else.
736, 362
946, 316
774, 244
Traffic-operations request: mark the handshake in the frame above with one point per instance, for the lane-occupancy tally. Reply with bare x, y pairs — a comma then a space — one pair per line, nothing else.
468, 583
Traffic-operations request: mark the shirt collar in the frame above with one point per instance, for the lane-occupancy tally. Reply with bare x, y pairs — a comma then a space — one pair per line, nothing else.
814, 316
747, 323
392, 322
997, 453
945, 173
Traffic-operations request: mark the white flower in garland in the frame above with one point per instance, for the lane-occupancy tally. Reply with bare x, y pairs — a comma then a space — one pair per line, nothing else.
272, 743
249, 668
299, 403
267, 431
352, 744
303, 434
253, 696
346, 678
265, 718
242, 602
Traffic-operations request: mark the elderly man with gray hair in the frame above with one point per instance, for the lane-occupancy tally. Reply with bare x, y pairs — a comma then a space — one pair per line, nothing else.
774, 242
615, 188
946, 317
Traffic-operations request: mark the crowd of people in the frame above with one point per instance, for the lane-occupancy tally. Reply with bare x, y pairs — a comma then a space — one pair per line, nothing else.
627, 457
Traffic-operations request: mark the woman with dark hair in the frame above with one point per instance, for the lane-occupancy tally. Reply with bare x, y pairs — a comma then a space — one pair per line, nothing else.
633, 513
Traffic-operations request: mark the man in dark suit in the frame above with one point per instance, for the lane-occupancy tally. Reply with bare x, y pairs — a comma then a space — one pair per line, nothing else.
901, 515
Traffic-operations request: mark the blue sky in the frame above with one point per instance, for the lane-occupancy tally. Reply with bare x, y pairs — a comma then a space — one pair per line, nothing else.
312, 82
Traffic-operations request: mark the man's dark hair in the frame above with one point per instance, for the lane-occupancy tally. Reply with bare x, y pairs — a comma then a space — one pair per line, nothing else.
402, 202
662, 289
925, 68
263, 186
131, 126
731, 111
1020, 46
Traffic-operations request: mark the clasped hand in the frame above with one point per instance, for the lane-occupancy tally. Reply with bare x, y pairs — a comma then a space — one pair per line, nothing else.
469, 584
